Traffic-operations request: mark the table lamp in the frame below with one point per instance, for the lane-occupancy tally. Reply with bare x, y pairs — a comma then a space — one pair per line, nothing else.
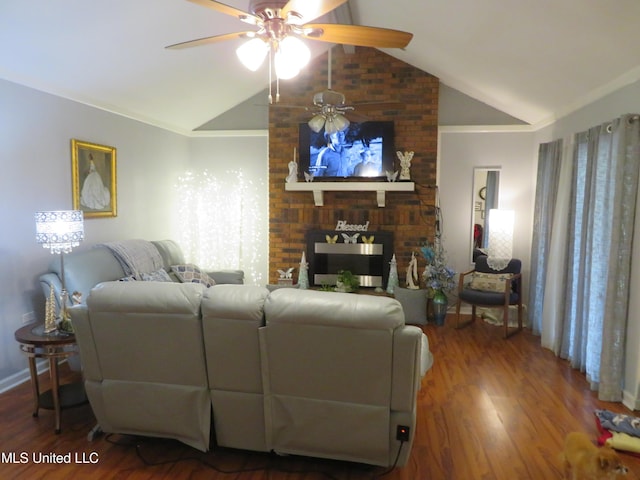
59, 231
500, 247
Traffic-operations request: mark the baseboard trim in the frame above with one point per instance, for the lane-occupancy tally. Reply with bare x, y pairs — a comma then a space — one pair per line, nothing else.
630, 401
22, 376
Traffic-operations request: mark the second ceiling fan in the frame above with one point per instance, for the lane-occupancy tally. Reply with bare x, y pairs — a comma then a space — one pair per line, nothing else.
330, 108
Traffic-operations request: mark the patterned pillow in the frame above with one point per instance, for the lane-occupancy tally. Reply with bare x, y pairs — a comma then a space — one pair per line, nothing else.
189, 273
130, 278
489, 282
157, 276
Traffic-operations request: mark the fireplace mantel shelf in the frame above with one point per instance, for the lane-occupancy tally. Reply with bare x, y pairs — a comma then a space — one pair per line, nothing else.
318, 189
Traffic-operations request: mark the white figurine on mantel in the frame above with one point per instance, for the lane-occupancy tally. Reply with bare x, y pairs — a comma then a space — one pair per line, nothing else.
393, 276
412, 273
405, 164
293, 169
303, 275
293, 172
391, 176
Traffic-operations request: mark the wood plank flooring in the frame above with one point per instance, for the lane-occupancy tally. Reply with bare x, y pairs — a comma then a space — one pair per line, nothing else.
488, 409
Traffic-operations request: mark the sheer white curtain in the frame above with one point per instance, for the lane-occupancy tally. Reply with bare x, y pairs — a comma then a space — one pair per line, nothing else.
219, 219
590, 300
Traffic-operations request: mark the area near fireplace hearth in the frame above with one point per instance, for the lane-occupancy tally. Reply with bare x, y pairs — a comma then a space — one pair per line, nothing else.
368, 75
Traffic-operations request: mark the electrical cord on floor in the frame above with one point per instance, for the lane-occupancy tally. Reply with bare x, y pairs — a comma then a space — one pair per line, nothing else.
395, 462
139, 442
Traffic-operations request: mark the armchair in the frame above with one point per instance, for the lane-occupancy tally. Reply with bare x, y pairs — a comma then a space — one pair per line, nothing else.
490, 289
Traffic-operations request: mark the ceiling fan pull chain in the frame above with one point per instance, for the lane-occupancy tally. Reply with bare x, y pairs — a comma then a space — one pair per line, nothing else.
277, 89
329, 66
270, 63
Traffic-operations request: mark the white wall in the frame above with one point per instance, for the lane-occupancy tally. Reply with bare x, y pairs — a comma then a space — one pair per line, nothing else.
462, 150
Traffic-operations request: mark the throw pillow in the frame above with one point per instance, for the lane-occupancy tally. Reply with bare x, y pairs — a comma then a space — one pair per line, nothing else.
489, 282
130, 278
158, 276
190, 273
414, 305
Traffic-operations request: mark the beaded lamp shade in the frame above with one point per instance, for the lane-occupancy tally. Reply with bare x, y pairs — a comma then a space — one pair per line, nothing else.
59, 230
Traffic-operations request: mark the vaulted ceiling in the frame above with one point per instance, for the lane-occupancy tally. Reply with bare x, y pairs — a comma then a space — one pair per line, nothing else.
531, 60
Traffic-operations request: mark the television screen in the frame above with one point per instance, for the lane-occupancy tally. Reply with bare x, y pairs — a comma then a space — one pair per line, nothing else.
364, 150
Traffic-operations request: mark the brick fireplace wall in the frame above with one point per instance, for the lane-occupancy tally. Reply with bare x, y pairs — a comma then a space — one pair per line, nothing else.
368, 75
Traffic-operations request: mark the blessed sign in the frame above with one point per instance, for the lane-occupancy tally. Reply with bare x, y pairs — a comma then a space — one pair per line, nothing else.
343, 226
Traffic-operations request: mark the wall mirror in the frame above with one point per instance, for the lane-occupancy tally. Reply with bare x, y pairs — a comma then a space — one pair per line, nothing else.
485, 196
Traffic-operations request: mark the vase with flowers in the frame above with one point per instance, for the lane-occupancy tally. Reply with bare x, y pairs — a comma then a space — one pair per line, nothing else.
438, 278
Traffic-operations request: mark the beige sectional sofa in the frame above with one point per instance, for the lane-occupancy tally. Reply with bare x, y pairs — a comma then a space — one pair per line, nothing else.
312, 373
292, 371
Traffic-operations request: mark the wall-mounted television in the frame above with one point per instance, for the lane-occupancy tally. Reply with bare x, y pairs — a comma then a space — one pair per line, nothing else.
364, 151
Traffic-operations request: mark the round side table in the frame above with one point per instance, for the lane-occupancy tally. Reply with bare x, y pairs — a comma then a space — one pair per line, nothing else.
34, 343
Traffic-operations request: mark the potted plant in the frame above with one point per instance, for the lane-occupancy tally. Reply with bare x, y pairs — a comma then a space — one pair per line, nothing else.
347, 282
438, 277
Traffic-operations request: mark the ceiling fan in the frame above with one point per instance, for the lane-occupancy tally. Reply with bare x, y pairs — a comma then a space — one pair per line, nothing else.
329, 108
281, 25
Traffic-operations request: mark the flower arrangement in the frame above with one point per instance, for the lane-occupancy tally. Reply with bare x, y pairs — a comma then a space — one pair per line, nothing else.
437, 276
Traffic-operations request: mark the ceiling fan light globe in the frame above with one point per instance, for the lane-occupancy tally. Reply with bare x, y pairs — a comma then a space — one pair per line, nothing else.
296, 51
316, 123
285, 69
341, 122
330, 127
291, 56
252, 53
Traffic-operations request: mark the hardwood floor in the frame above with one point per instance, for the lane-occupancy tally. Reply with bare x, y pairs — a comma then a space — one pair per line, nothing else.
489, 409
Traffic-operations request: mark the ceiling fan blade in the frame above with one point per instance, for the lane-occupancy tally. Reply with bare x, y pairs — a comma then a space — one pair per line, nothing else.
284, 105
209, 40
357, 35
234, 12
375, 106
356, 117
309, 10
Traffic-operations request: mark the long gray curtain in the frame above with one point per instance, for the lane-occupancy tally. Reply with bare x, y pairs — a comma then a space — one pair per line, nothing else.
604, 190
593, 306
548, 177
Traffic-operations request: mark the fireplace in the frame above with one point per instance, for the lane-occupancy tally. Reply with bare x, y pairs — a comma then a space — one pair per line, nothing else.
368, 261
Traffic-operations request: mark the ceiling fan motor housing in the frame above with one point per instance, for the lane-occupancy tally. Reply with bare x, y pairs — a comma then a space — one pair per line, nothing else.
266, 9
328, 97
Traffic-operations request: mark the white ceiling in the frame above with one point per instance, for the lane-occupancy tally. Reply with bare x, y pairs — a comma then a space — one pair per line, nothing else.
532, 59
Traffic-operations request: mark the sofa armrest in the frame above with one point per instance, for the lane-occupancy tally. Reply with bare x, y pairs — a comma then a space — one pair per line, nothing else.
407, 367
235, 277
86, 343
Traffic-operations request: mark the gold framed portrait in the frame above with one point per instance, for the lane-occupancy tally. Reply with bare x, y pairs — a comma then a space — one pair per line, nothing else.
93, 177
